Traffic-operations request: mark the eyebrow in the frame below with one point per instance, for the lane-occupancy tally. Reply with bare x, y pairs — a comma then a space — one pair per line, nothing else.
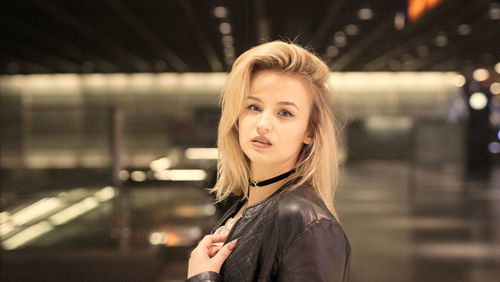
286, 103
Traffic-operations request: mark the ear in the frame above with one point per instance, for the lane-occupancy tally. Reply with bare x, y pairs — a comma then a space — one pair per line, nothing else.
308, 138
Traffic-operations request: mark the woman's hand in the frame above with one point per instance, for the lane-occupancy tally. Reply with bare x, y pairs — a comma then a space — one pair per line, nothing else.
209, 257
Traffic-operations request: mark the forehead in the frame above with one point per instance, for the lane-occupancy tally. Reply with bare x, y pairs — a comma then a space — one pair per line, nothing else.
277, 84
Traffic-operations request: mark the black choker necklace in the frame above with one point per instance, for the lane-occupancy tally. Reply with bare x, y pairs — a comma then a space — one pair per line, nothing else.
271, 180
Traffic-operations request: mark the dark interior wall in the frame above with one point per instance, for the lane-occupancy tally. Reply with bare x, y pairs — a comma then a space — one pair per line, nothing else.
385, 138
424, 142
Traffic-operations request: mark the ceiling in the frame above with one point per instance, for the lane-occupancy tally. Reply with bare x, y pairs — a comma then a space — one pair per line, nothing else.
126, 36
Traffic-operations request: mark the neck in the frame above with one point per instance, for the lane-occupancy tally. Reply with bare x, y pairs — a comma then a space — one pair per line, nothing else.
271, 180
260, 173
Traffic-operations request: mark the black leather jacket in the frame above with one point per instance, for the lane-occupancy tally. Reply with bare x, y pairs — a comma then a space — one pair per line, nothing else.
290, 236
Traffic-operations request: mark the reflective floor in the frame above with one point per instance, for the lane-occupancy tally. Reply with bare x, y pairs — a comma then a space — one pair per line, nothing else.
409, 224
404, 224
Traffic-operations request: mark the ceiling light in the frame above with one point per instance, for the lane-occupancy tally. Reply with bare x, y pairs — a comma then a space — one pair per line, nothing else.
123, 175
332, 51
494, 147
464, 29
225, 28
138, 176
365, 14
160, 164
459, 80
227, 40
399, 21
441, 39
157, 238
220, 12
481, 74
229, 51
340, 39
351, 29
494, 11
478, 101
495, 88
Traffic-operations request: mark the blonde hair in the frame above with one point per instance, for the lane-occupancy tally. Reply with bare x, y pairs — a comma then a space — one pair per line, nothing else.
317, 162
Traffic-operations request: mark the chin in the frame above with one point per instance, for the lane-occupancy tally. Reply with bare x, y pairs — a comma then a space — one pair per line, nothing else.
259, 158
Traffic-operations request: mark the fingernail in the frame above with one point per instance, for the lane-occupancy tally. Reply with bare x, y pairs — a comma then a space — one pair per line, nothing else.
232, 244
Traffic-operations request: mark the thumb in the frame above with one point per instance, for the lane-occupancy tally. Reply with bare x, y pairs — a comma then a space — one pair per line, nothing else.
223, 253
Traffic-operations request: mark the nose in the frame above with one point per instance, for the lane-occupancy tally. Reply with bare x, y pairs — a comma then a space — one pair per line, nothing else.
264, 123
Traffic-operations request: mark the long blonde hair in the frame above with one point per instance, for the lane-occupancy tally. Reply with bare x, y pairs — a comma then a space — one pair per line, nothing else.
317, 162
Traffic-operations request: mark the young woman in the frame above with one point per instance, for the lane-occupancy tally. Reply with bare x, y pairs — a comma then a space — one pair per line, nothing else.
278, 152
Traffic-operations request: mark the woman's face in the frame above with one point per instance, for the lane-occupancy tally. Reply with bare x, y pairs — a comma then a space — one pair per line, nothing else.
273, 125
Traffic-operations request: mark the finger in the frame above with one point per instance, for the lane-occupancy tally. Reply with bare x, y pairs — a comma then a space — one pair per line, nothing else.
213, 250
209, 240
223, 253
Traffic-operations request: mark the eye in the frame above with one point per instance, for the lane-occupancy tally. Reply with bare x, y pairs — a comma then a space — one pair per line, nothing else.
253, 108
285, 113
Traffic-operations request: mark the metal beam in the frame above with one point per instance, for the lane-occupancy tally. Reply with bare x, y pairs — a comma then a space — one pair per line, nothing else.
327, 23
34, 54
362, 45
459, 15
150, 37
57, 44
99, 38
26, 66
208, 50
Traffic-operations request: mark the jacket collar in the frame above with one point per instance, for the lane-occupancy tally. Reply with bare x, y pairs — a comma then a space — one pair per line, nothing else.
253, 209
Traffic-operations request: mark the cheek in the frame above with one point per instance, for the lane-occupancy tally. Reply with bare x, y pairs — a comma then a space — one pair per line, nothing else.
294, 136
243, 128
241, 124
245, 123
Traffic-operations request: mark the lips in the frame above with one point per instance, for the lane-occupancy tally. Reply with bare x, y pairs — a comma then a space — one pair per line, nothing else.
261, 141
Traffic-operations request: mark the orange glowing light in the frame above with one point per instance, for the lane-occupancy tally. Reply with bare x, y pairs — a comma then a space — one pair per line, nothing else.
185, 211
172, 239
416, 8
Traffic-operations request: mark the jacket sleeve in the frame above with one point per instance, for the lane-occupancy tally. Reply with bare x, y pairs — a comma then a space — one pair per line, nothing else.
207, 276
320, 253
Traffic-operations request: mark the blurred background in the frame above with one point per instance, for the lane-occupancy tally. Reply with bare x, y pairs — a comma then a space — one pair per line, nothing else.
109, 114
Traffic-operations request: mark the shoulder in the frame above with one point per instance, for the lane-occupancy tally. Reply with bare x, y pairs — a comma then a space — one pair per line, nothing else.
304, 221
302, 207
